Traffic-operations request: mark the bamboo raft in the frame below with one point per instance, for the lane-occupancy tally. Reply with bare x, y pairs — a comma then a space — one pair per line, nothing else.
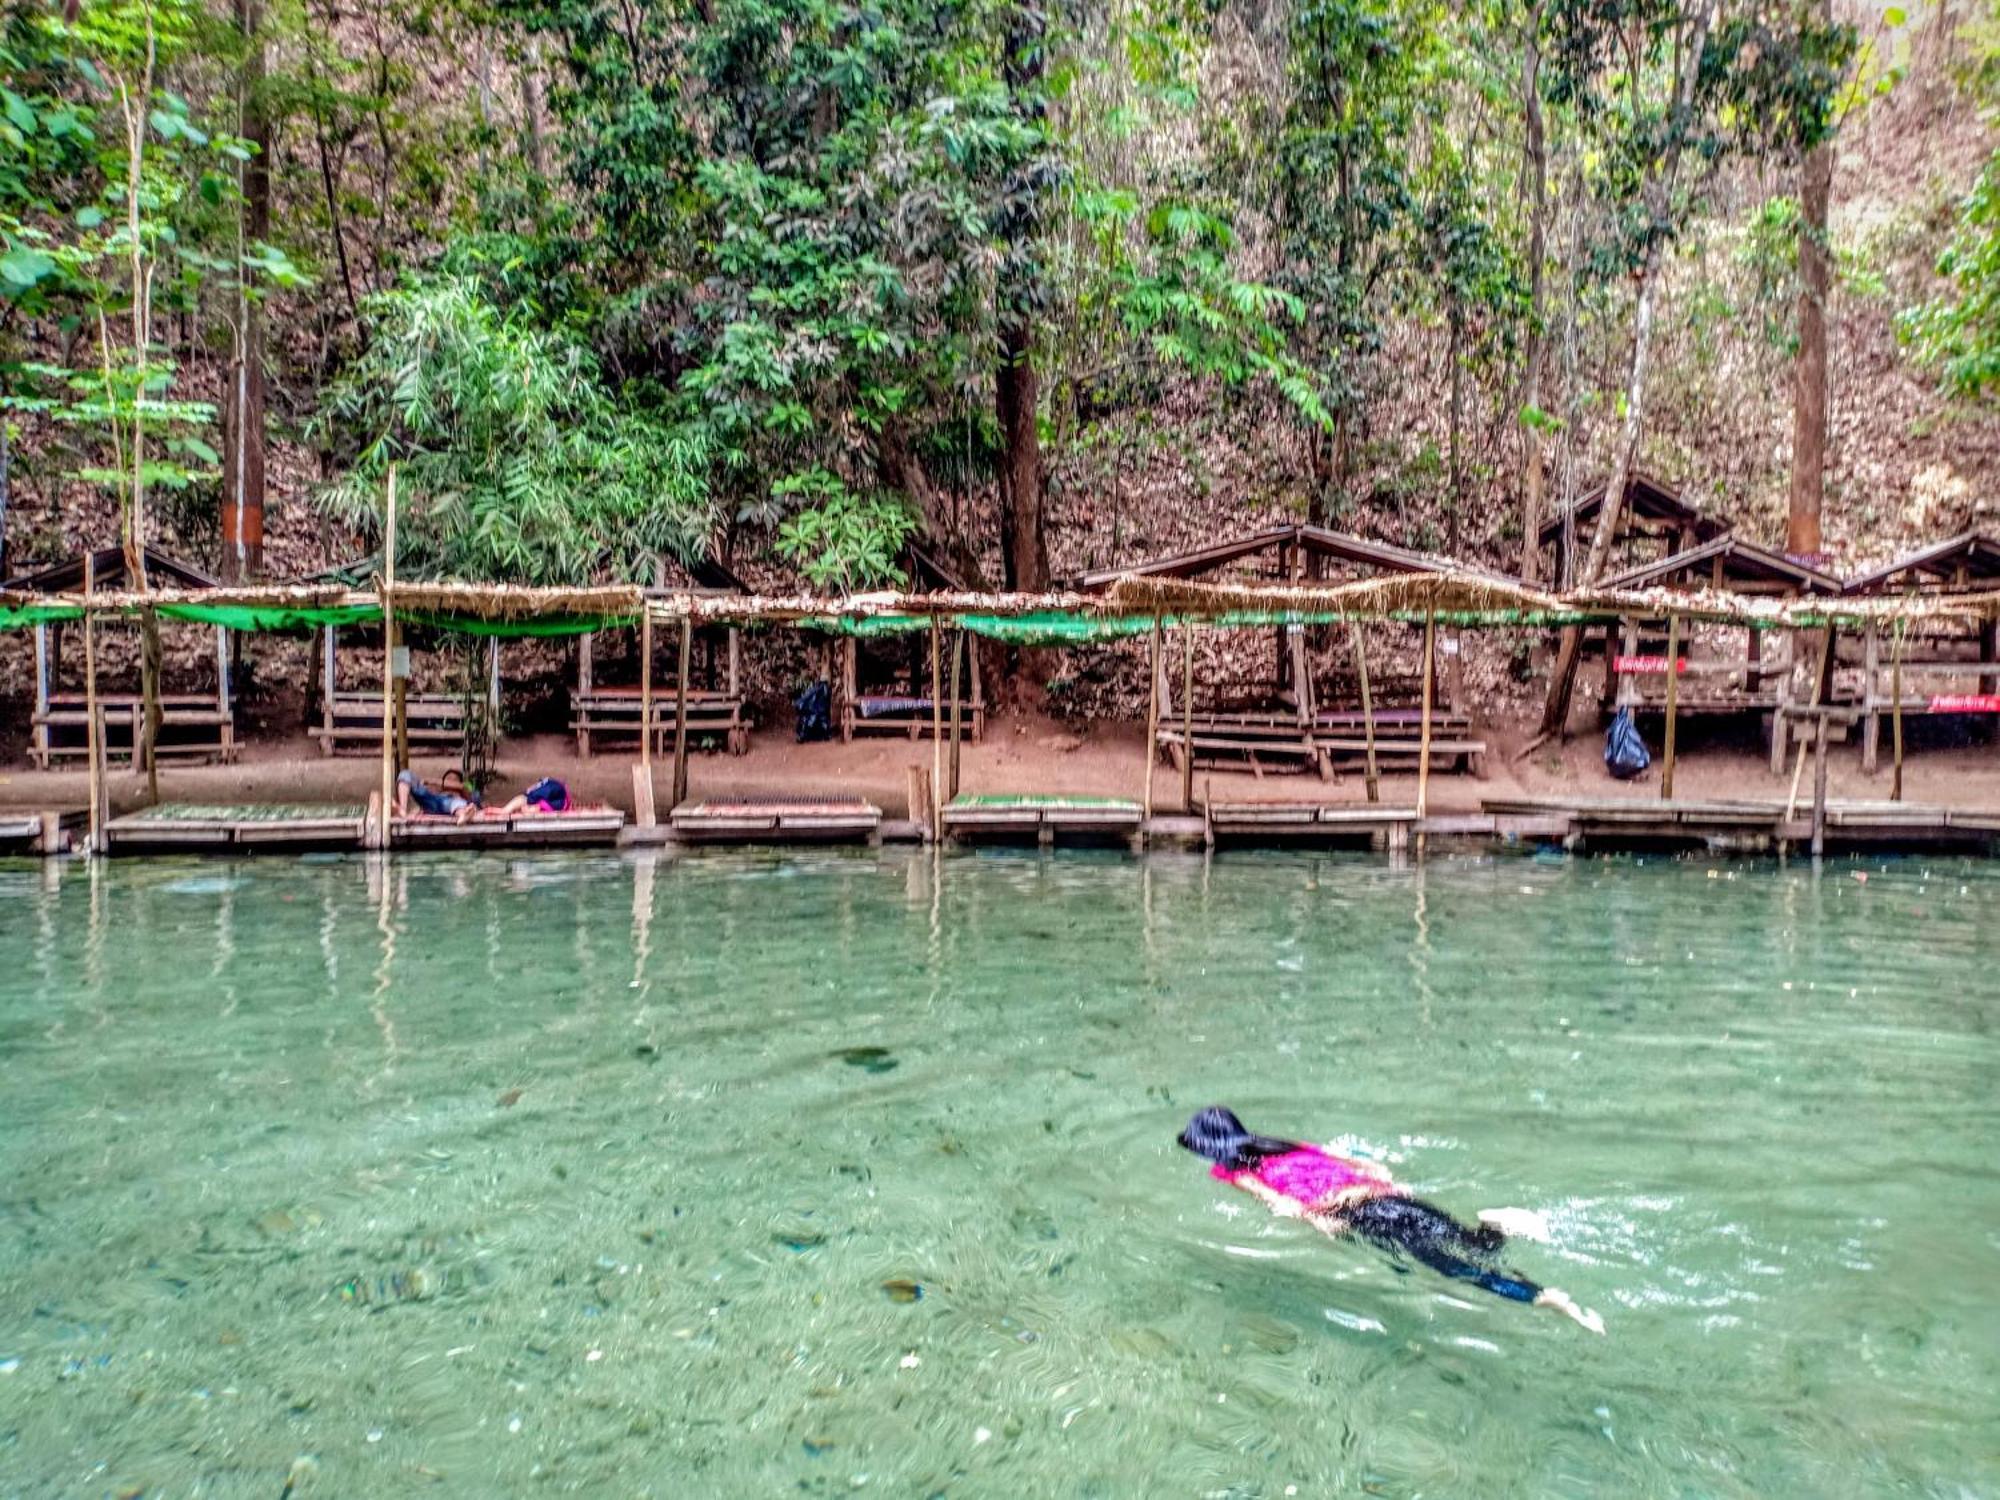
1045, 818
205, 826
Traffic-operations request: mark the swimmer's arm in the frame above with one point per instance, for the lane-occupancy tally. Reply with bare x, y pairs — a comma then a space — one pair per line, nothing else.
1277, 1202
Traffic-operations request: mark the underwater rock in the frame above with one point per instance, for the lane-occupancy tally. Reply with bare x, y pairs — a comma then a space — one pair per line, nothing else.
869, 1059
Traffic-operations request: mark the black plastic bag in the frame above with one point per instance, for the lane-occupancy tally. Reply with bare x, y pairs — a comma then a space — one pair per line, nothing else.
1624, 752
815, 712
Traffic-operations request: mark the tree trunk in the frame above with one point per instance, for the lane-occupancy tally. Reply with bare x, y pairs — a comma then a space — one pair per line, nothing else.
1024, 548
1562, 680
1802, 533
1537, 164
531, 109
243, 401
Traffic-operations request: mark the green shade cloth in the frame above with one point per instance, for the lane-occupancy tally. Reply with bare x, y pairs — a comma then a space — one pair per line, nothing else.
259, 617
1031, 800
14, 617
562, 625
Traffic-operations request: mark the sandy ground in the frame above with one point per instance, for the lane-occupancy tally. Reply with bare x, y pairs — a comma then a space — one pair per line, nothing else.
1030, 755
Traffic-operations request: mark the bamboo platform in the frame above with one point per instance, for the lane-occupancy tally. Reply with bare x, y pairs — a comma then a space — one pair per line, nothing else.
210, 827
588, 828
1748, 824
778, 820
1046, 818
1319, 824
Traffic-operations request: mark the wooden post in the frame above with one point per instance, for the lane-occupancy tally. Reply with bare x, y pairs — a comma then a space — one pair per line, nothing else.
1628, 685
223, 694
959, 646
145, 752
94, 721
326, 690
1819, 782
586, 675
681, 713
1673, 703
1187, 717
920, 802
388, 669
493, 694
645, 688
1152, 715
1871, 682
937, 730
1424, 730
41, 757
1896, 713
1367, 709
735, 662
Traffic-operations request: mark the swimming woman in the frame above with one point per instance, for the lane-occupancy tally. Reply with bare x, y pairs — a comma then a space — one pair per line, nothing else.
1338, 1195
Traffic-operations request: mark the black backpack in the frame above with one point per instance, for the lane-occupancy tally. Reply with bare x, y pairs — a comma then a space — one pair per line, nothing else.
815, 712
1624, 752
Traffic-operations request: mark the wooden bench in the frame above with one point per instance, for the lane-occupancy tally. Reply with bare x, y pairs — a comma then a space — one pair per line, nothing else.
883, 713
1445, 754
613, 713
352, 723
192, 725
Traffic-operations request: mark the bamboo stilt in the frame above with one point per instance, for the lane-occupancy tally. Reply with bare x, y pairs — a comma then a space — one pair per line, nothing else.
1152, 714
646, 691
1896, 715
388, 668
937, 734
94, 728
1673, 704
1187, 718
680, 787
959, 647
1424, 735
1367, 709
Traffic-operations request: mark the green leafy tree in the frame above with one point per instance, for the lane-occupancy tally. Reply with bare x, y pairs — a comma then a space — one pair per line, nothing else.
518, 462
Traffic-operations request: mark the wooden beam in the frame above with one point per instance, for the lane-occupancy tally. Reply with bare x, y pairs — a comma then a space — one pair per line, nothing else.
326, 690
1871, 685
680, 787
1360, 646
41, 757
1673, 704
1819, 784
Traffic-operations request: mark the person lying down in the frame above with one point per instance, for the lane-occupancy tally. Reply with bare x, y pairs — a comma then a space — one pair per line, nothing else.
1339, 1195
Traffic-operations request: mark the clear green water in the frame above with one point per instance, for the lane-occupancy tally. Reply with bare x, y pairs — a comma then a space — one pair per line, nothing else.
273, 1208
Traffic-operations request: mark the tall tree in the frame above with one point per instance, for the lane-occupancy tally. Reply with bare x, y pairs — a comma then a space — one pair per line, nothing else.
1802, 528
1022, 298
243, 437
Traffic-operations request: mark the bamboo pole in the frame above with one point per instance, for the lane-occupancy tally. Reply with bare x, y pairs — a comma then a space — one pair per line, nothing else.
149, 709
1673, 703
1896, 714
959, 647
937, 734
1424, 734
645, 690
1819, 784
1187, 718
681, 713
1367, 709
94, 728
1152, 714
388, 667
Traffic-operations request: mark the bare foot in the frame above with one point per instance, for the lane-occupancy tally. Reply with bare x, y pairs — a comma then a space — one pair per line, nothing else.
1565, 1304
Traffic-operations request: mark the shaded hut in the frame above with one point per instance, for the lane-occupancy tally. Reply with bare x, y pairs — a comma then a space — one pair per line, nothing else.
1295, 718
1715, 681
1927, 670
602, 709
885, 681
1655, 524
196, 724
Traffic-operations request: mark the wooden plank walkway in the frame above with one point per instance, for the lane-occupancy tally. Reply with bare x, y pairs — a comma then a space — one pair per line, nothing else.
777, 820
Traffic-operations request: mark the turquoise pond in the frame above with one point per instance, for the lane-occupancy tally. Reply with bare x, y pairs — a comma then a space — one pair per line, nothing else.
854, 1173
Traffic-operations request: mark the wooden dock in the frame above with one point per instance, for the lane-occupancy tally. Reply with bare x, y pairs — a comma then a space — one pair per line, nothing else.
204, 827
1318, 824
760, 820
1748, 825
1046, 819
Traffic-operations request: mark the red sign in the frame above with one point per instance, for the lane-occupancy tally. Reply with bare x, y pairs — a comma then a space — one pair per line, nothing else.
1645, 666
1966, 703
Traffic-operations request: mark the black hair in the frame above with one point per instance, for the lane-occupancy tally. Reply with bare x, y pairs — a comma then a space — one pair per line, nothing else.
1217, 1134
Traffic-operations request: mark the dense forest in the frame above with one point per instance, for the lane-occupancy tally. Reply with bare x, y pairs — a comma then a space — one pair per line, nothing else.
1045, 284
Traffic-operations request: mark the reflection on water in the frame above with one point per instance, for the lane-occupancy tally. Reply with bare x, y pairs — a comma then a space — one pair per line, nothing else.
740, 1173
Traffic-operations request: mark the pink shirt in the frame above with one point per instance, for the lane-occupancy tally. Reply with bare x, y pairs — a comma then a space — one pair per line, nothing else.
1308, 1176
